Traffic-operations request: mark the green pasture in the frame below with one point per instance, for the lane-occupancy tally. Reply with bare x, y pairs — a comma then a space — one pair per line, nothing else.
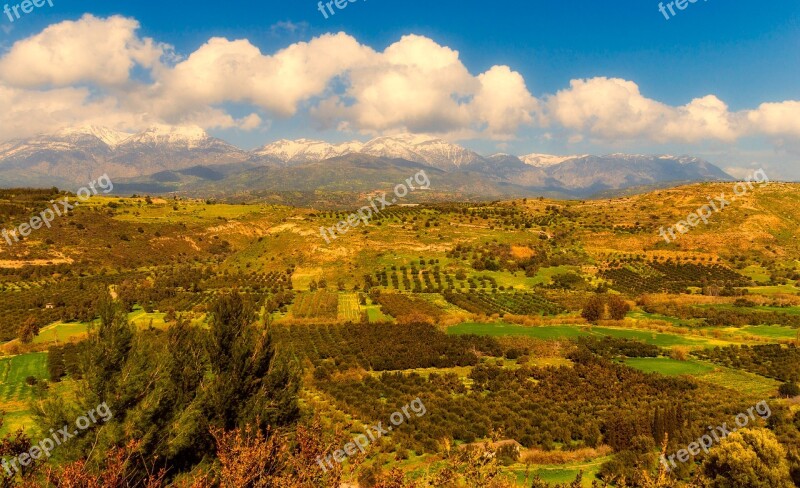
499, 329
61, 332
669, 367
776, 332
554, 332
773, 290
15, 393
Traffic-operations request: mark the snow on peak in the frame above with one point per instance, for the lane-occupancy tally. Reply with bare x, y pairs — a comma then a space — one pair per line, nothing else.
183, 132
545, 160
110, 137
303, 150
682, 159
189, 136
421, 148
408, 139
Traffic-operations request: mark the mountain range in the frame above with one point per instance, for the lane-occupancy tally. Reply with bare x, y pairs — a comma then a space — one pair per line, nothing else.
165, 159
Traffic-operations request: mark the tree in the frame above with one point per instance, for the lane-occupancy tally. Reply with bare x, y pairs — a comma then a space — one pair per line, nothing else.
29, 330
172, 391
789, 390
11, 446
250, 385
749, 458
617, 307
594, 309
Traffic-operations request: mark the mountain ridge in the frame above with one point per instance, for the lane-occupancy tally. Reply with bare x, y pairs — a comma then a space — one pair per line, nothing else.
165, 154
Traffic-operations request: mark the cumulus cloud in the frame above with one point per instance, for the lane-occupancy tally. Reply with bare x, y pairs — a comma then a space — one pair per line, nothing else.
503, 102
614, 109
85, 71
414, 85
776, 119
236, 71
89, 50
417, 85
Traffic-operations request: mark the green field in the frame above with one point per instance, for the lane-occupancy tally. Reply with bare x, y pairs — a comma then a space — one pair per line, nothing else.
560, 473
669, 367
752, 385
640, 315
375, 314
648, 337
749, 384
545, 275
773, 290
61, 332
554, 332
15, 393
502, 329
759, 274
768, 331
349, 309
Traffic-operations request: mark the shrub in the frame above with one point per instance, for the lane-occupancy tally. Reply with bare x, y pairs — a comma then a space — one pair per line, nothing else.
789, 390
594, 309
617, 307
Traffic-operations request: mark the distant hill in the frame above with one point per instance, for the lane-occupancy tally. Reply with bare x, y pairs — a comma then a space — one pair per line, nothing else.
167, 159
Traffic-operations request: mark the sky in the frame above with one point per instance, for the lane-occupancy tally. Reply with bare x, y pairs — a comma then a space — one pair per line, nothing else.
718, 80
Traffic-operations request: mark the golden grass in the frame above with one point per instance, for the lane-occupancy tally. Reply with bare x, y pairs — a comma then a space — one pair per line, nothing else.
538, 456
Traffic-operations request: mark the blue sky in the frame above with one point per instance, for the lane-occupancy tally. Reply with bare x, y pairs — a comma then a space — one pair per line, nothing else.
743, 53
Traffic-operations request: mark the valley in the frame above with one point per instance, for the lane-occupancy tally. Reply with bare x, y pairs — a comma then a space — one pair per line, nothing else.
483, 310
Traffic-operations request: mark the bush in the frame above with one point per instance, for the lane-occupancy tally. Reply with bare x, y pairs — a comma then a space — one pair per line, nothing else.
680, 353
789, 390
594, 309
617, 307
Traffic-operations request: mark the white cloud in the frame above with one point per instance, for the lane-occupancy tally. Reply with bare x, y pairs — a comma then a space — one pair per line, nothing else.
78, 72
28, 112
613, 109
776, 119
417, 85
288, 27
503, 102
89, 50
223, 71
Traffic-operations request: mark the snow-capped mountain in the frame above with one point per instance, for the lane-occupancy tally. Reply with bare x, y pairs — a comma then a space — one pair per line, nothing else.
81, 154
306, 150
188, 136
410, 147
545, 160
422, 149
110, 137
187, 155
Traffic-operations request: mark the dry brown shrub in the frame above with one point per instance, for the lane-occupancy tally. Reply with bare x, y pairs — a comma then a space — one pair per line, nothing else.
538, 456
680, 353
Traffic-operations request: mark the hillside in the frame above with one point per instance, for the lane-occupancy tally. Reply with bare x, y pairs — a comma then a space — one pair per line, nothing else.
470, 302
